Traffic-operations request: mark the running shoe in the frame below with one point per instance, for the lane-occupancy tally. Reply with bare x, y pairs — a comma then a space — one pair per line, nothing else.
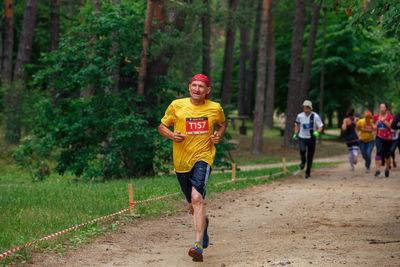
351, 168
377, 173
196, 252
308, 175
302, 165
386, 173
205, 236
367, 170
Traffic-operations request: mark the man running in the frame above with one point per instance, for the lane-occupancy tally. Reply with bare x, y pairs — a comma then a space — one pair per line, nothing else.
352, 142
194, 150
307, 128
364, 130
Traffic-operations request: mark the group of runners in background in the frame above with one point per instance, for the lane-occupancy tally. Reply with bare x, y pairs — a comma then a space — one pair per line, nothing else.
380, 130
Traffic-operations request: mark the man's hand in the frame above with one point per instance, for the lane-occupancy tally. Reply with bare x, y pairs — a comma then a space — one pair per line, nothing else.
178, 137
316, 134
215, 138
295, 136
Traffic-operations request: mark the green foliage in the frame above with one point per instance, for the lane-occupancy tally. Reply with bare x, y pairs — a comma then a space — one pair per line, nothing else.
112, 133
356, 65
386, 13
87, 59
33, 156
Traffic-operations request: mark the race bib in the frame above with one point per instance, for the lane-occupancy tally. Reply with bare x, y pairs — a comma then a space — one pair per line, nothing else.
367, 128
197, 125
307, 126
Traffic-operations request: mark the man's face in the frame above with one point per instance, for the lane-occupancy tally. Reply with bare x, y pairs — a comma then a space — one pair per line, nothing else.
198, 90
307, 109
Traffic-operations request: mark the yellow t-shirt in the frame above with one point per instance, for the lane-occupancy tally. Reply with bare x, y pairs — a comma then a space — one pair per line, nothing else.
197, 123
366, 130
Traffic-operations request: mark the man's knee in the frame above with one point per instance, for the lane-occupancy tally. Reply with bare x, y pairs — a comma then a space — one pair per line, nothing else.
197, 198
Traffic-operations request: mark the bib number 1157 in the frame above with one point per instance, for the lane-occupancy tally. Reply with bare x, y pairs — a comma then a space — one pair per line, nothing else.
197, 125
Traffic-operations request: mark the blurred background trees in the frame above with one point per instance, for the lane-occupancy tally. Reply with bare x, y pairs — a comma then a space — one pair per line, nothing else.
70, 70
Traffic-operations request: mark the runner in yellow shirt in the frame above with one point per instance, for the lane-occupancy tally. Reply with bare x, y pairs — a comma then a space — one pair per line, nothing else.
194, 141
365, 132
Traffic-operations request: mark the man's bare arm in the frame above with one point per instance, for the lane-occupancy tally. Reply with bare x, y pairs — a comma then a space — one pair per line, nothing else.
167, 133
217, 135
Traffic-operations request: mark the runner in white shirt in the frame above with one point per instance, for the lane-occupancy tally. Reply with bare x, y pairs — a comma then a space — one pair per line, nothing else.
307, 128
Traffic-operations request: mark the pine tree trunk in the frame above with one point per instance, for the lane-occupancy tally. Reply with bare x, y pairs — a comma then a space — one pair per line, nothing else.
145, 47
54, 39
244, 55
54, 24
293, 100
1, 45
115, 76
227, 71
252, 74
206, 37
7, 62
26, 40
89, 91
6, 74
257, 142
322, 81
270, 100
330, 119
14, 92
305, 83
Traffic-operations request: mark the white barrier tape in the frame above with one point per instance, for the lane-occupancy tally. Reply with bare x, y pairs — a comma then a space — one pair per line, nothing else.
59, 233
155, 198
254, 178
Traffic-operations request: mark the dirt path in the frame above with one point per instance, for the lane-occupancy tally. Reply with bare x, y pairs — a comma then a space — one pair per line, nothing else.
335, 218
339, 158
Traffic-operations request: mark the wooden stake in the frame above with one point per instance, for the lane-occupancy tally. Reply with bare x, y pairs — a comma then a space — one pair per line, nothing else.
284, 165
233, 172
131, 204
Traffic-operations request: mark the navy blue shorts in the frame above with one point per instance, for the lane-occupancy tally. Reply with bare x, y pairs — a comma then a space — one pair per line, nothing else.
197, 178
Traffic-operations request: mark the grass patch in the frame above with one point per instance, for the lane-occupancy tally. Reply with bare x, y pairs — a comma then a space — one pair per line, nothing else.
33, 210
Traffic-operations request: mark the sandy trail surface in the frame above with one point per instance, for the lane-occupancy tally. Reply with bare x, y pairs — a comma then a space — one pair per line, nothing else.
335, 218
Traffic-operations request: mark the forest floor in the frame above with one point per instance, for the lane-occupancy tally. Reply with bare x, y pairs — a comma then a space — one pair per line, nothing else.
336, 217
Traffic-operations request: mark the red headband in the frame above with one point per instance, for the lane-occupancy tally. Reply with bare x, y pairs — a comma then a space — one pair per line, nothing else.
201, 78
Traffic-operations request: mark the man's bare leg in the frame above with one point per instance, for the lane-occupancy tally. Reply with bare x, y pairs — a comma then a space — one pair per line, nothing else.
191, 208
199, 215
